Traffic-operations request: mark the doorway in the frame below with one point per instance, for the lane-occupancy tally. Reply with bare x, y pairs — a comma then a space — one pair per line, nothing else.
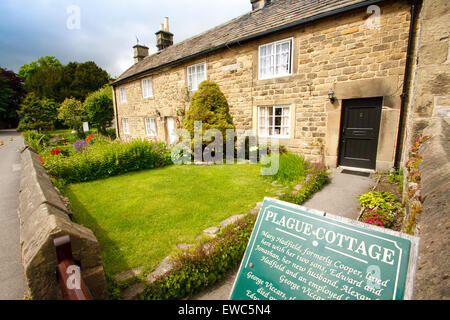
360, 126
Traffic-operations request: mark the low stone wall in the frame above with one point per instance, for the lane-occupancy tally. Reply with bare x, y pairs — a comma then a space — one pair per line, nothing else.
433, 224
43, 217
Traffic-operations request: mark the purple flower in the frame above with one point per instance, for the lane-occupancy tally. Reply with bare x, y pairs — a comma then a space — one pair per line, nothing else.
80, 145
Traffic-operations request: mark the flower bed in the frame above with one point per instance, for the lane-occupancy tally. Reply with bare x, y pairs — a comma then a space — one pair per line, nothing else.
70, 160
101, 160
380, 208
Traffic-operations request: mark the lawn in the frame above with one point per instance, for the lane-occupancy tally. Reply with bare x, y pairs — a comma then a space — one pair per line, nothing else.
139, 217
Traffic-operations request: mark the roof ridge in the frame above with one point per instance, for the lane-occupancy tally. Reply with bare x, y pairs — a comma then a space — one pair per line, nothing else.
277, 15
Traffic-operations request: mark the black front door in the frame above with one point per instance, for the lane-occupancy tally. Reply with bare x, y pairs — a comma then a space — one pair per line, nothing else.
360, 125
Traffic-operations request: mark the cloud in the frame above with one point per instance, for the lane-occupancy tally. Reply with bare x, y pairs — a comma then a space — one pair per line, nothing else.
108, 28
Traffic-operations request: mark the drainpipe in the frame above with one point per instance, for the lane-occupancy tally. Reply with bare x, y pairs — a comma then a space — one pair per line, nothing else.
115, 111
404, 95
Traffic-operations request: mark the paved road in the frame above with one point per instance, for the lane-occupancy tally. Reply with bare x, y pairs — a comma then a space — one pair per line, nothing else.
338, 197
12, 282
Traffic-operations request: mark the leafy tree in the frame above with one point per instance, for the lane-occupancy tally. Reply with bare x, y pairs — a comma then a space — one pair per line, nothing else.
71, 112
31, 68
12, 92
88, 77
48, 78
99, 110
36, 114
45, 83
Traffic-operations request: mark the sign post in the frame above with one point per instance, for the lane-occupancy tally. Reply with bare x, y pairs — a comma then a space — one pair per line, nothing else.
296, 253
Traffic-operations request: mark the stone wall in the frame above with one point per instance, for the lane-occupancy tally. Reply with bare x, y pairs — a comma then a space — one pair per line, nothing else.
343, 53
43, 216
433, 225
429, 95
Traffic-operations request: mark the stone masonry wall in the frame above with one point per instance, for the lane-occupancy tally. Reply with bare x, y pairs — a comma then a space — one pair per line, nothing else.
43, 217
342, 53
429, 96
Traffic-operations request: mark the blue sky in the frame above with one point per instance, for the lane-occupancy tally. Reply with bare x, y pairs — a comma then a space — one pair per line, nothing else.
30, 29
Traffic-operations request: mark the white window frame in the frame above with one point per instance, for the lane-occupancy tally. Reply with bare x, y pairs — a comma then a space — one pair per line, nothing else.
123, 95
150, 129
267, 120
189, 70
273, 57
147, 88
125, 126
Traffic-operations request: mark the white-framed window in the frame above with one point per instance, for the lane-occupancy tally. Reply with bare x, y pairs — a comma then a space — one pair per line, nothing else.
275, 59
274, 121
150, 127
125, 126
147, 88
122, 94
196, 74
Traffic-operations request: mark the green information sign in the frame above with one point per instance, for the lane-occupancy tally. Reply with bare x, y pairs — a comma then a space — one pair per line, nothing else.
296, 253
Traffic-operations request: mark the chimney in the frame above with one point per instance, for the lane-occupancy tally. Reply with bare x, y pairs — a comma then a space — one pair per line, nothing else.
164, 38
140, 52
258, 4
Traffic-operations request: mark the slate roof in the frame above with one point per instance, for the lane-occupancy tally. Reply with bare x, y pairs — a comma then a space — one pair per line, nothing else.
277, 15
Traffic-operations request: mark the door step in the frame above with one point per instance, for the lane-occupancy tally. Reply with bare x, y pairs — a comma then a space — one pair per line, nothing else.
356, 173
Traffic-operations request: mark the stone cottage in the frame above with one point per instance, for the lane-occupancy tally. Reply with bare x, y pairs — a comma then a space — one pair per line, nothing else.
325, 77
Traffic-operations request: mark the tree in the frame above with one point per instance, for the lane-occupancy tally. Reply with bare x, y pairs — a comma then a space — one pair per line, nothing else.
36, 114
71, 112
31, 68
88, 77
98, 107
209, 105
12, 92
48, 78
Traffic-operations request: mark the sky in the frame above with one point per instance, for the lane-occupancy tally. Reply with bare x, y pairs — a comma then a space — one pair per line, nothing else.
103, 31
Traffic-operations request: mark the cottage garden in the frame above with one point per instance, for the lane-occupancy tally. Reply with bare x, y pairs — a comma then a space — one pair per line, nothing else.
143, 208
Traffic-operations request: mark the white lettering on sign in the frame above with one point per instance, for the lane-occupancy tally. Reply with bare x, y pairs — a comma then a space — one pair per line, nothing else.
332, 237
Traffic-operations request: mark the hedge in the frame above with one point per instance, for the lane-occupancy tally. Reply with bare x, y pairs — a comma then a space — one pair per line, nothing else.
102, 160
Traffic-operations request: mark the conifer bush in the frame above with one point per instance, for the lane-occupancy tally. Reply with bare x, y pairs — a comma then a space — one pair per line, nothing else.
209, 105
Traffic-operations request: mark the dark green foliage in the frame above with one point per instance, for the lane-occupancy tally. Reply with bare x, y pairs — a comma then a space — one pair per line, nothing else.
196, 270
12, 92
36, 114
48, 78
102, 160
314, 181
98, 107
209, 105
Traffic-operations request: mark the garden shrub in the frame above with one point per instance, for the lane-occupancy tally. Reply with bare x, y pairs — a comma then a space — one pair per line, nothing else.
316, 179
209, 105
197, 269
101, 160
383, 200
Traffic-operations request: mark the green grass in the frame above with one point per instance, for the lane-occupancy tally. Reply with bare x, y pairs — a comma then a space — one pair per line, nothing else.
139, 217
292, 168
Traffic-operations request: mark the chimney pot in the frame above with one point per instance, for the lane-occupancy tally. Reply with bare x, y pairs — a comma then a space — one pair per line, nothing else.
166, 24
164, 38
259, 4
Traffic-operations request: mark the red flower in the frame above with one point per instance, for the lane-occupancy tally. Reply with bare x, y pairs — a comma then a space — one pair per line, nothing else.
55, 151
